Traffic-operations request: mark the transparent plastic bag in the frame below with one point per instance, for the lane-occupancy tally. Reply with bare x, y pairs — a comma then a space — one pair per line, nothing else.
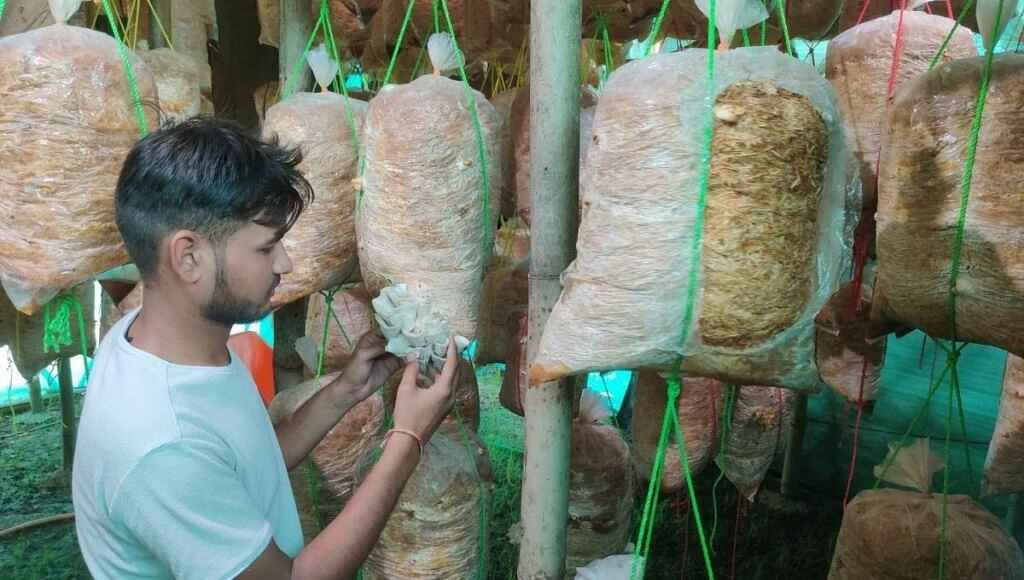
622, 305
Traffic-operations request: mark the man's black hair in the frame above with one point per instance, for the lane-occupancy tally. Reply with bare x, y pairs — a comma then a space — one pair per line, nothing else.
208, 176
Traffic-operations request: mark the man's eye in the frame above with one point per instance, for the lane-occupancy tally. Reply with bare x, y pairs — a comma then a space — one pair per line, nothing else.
267, 250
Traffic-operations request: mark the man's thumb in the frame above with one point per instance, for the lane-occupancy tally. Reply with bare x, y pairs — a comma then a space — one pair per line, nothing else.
412, 367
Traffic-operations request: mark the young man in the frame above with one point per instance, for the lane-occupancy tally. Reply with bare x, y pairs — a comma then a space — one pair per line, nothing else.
178, 472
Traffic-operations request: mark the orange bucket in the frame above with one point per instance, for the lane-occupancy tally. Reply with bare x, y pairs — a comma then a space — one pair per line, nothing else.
258, 358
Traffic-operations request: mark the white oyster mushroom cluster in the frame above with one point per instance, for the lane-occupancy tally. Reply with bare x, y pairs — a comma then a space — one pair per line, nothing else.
411, 327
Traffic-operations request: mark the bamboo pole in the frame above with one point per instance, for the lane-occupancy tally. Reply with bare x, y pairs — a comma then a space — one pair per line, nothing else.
794, 446
162, 10
296, 26
67, 408
35, 394
554, 185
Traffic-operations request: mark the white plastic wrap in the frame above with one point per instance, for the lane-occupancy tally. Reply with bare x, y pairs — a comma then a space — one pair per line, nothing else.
66, 124
623, 300
322, 243
422, 219
733, 15
323, 66
177, 78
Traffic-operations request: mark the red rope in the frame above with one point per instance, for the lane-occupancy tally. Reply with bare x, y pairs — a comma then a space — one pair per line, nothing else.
740, 507
949, 9
860, 256
863, 11
686, 539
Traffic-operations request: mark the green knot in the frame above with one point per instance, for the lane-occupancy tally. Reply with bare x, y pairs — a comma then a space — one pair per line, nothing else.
675, 388
952, 357
57, 323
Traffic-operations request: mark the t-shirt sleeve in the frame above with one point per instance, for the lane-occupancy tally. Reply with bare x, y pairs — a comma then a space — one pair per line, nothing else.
190, 509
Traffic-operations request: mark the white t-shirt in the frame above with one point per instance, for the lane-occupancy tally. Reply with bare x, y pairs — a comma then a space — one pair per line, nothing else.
177, 472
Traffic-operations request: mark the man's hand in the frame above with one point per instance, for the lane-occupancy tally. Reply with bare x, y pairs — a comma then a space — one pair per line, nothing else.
367, 370
420, 409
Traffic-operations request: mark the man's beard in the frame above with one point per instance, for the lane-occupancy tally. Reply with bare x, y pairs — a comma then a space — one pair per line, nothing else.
228, 309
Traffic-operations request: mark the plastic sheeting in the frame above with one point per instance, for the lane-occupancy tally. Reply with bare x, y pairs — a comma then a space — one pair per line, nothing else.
322, 243
622, 304
919, 204
67, 123
422, 220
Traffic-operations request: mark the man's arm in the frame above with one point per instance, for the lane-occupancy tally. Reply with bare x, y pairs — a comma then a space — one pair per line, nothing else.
300, 432
339, 550
367, 370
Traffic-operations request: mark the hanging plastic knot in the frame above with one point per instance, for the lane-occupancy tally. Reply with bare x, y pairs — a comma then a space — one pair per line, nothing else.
444, 55
324, 67
58, 323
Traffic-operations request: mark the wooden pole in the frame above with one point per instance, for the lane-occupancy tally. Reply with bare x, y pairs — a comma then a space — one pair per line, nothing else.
162, 10
35, 394
296, 26
794, 446
67, 409
554, 185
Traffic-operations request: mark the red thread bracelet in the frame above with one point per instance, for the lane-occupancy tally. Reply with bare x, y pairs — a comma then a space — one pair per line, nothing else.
419, 442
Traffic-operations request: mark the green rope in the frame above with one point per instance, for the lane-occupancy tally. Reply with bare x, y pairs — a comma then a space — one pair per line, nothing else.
328, 308
954, 270
133, 85
945, 43
646, 529
764, 32
730, 401
57, 333
671, 418
746, 38
656, 26
968, 174
943, 520
606, 45
781, 6
325, 17
963, 424
674, 385
2, 8
437, 16
398, 44
906, 435
293, 79
478, 131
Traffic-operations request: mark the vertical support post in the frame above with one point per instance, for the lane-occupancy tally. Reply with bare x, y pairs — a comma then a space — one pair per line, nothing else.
162, 9
296, 26
554, 185
67, 411
289, 326
794, 446
35, 394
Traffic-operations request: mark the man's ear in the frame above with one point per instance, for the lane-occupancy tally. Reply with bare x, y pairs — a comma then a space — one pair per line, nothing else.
186, 254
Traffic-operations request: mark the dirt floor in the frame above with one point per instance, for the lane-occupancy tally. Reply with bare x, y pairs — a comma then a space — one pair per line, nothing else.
776, 538
32, 486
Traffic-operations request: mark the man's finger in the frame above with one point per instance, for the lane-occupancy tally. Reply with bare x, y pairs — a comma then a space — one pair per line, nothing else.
451, 362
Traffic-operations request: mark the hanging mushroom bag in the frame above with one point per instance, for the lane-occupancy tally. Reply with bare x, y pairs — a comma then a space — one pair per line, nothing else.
774, 241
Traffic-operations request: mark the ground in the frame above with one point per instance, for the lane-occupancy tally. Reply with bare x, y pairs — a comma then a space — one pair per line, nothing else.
32, 486
777, 538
